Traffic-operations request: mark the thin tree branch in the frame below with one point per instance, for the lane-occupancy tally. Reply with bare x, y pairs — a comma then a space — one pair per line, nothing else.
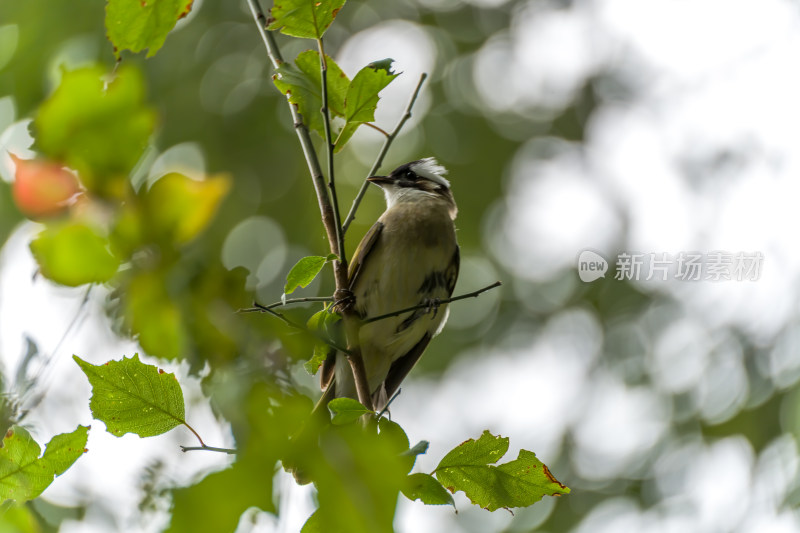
325, 208
269, 41
474, 294
328, 211
384, 149
363, 390
229, 451
259, 308
350, 320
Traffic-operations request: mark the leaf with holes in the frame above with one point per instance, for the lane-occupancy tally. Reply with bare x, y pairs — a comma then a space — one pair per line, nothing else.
362, 97
518, 483
138, 24
302, 83
132, 397
307, 19
427, 489
23, 474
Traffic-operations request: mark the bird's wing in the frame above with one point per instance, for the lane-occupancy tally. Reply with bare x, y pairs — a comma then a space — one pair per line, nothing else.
403, 364
362, 252
451, 274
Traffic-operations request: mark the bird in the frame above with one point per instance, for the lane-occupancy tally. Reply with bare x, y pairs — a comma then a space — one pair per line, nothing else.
409, 257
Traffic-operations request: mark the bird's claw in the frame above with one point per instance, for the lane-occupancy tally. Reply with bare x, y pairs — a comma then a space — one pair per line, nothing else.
432, 304
343, 299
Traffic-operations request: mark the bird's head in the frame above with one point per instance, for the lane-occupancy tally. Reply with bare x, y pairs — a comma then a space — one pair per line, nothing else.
416, 181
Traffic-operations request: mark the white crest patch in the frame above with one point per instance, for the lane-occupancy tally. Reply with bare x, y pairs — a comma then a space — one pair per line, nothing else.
431, 169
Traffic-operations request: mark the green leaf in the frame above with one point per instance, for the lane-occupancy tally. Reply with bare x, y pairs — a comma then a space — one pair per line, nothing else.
307, 19
358, 475
362, 98
518, 483
322, 322
154, 316
179, 208
23, 474
100, 132
132, 397
218, 501
427, 489
302, 85
313, 524
138, 24
73, 254
304, 272
346, 410
419, 448
262, 419
20, 518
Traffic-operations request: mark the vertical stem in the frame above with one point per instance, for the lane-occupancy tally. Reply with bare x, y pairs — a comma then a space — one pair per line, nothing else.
329, 210
341, 266
352, 323
325, 208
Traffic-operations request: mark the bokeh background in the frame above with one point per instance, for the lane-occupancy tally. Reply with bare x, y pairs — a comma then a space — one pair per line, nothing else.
613, 125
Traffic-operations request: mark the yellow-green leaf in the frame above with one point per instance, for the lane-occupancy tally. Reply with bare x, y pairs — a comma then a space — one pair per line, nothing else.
179, 208
73, 254
154, 316
100, 131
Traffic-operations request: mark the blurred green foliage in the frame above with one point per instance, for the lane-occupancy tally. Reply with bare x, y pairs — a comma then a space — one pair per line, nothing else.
210, 85
172, 292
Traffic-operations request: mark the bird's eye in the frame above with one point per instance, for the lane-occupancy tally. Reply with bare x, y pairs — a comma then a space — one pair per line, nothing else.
410, 175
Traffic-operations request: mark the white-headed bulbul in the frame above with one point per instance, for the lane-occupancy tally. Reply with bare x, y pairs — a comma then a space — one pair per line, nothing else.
409, 257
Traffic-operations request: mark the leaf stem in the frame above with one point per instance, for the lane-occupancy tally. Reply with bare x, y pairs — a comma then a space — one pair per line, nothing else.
384, 149
473, 294
185, 423
377, 128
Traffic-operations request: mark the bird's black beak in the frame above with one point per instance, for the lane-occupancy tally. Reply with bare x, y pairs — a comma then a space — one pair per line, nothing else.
379, 180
